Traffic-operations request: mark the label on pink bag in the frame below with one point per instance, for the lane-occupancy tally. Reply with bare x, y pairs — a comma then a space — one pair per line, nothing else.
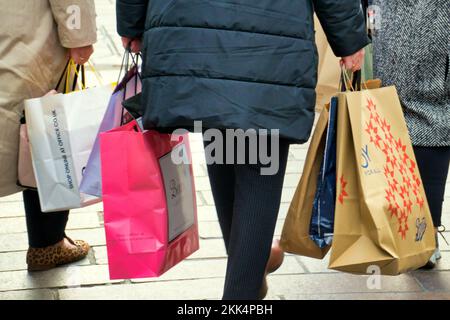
178, 187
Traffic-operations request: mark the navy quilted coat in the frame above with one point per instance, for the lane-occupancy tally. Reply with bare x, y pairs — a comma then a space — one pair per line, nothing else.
249, 64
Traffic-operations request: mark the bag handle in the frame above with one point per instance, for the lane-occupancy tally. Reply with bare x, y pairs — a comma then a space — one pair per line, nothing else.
62, 75
126, 67
78, 69
95, 72
351, 82
135, 65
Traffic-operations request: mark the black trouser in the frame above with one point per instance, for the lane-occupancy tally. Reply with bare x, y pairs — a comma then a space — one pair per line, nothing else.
44, 229
433, 163
247, 205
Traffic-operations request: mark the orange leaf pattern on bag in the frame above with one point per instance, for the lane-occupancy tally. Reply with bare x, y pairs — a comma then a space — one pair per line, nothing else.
343, 193
400, 170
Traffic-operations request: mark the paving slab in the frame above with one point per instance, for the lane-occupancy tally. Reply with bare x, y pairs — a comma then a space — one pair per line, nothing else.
336, 283
67, 276
198, 289
434, 280
43, 294
371, 296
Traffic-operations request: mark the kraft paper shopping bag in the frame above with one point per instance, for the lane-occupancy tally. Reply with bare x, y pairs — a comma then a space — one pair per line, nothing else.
295, 237
382, 217
329, 71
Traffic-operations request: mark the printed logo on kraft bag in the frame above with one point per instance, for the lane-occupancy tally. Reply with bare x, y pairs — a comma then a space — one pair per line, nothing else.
366, 162
421, 225
403, 191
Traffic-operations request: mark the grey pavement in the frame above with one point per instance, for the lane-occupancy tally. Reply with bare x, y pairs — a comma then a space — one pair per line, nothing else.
201, 276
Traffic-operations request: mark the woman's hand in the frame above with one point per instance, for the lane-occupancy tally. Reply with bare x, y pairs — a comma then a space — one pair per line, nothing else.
51, 93
81, 55
353, 62
135, 44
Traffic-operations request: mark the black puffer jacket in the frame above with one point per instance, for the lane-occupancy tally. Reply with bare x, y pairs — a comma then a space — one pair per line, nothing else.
236, 63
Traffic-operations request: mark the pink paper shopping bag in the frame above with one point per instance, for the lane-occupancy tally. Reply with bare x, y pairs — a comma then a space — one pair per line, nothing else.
149, 201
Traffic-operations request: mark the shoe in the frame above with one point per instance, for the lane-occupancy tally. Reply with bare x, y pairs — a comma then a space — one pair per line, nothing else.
41, 259
273, 264
431, 264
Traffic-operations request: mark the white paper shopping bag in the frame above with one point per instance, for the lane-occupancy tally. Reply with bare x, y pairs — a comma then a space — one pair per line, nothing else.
62, 129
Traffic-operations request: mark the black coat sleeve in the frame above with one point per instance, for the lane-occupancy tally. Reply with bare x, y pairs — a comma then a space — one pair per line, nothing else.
131, 15
344, 24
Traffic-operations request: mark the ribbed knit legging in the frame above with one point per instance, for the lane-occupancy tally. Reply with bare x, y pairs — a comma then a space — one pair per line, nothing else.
247, 205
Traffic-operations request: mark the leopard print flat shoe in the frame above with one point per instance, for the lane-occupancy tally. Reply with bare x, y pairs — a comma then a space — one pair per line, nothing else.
40, 259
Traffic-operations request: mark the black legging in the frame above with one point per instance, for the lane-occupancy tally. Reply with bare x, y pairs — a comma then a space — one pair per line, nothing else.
44, 229
433, 163
247, 204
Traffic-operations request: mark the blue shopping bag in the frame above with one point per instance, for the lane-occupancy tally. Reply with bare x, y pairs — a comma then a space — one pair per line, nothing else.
322, 219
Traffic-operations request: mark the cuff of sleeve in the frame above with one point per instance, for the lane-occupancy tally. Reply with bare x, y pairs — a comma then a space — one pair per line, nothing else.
131, 19
130, 32
353, 43
345, 40
71, 42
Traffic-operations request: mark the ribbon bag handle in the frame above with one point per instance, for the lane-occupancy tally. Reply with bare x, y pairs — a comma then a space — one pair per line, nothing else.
127, 66
62, 75
79, 72
351, 82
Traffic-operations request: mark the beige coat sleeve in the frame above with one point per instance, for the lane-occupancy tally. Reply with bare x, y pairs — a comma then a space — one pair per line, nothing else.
76, 22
